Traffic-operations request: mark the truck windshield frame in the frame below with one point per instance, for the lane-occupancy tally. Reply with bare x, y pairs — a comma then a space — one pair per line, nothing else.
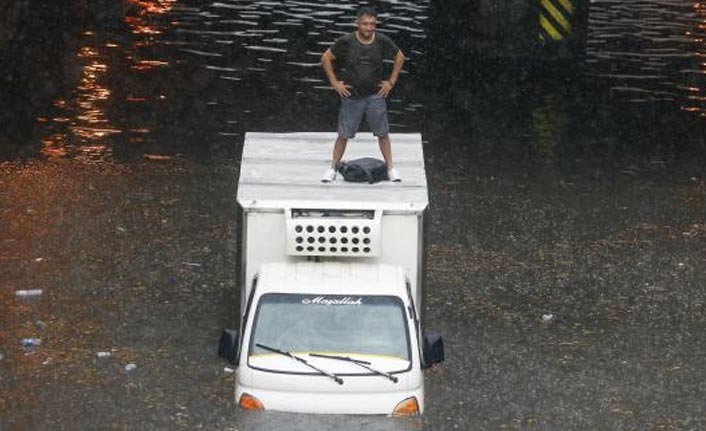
350, 320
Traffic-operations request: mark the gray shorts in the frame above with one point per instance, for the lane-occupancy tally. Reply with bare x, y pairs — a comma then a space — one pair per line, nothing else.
351, 114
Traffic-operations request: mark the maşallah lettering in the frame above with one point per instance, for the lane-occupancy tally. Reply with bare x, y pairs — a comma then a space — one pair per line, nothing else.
320, 300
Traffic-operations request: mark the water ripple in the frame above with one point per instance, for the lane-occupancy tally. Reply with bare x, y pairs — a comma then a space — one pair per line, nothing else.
647, 46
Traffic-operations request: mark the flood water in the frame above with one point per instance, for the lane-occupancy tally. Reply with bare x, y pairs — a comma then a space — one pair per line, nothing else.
121, 80
565, 187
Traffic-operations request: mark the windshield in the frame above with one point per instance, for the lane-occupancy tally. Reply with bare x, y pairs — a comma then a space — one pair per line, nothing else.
357, 325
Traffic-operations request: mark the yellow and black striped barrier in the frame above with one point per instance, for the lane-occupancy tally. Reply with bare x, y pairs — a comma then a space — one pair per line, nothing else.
556, 20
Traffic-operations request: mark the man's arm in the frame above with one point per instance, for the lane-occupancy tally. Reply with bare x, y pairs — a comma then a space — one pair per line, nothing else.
386, 86
327, 60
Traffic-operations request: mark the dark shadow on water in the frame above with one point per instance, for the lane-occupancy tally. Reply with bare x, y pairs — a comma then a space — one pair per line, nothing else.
34, 41
517, 116
520, 108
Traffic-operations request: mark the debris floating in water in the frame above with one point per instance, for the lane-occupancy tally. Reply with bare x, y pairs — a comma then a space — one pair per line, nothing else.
30, 342
28, 292
158, 157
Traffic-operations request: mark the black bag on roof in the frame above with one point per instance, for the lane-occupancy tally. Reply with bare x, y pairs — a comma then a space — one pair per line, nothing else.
366, 169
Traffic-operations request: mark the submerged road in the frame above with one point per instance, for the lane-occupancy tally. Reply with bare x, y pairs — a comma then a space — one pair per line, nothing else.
566, 301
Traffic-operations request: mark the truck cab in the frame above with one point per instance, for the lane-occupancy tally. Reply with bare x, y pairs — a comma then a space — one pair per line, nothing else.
331, 281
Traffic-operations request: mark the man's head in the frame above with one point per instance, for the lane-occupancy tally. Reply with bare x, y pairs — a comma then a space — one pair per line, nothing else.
367, 18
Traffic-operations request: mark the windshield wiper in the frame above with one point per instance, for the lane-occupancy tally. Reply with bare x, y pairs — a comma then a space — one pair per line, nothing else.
303, 361
364, 364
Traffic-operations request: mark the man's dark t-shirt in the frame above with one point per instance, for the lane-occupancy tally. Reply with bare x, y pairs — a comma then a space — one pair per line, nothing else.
360, 65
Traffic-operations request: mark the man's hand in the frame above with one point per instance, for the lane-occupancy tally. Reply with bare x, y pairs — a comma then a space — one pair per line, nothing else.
385, 88
341, 88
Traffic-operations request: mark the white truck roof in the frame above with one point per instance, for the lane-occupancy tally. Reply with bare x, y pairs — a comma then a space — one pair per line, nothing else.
333, 278
283, 170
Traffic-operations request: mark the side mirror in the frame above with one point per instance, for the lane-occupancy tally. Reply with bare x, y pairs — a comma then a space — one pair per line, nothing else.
432, 349
228, 346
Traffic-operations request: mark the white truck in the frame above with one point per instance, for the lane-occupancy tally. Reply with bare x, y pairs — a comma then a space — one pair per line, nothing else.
331, 281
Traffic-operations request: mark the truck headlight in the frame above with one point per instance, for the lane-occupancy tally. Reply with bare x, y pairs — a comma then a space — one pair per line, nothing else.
248, 402
407, 407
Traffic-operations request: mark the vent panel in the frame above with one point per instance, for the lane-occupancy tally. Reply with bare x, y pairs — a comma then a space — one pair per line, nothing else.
333, 233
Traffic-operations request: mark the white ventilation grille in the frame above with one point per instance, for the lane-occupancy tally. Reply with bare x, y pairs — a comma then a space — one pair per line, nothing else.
333, 232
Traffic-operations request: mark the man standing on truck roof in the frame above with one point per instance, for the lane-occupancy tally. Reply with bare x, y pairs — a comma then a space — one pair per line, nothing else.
359, 58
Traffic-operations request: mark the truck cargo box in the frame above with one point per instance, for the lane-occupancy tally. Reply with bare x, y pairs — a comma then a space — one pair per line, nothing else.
289, 215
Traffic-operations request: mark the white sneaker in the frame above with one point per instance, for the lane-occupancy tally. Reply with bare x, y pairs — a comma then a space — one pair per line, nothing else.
329, 175
393, 175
